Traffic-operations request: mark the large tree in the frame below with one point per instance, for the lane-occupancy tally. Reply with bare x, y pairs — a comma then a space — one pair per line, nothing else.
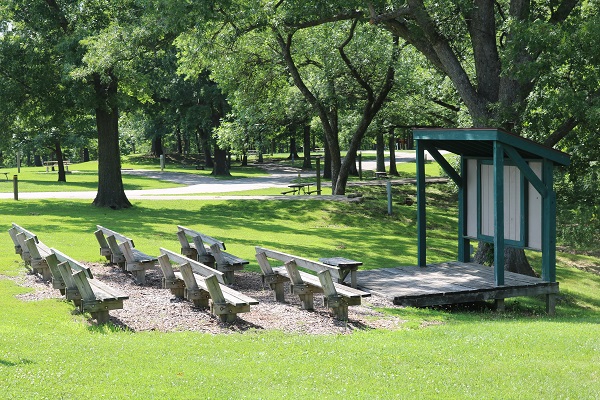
337, 62
498, 54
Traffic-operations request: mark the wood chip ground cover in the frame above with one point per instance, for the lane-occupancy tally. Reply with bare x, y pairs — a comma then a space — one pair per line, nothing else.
152, 308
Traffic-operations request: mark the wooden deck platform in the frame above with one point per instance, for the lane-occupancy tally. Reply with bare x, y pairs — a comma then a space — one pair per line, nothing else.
451, 283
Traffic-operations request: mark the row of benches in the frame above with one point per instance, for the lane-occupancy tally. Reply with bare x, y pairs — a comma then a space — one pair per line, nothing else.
73, 279
203, 271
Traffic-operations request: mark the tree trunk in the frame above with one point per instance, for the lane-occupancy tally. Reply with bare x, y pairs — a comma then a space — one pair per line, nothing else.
293, 149
326, 161
157, 148
37, 160
514, 259
220, 163
179, 141
306, 147
392, 145
62, 176
110, 183
380, 149
204, 141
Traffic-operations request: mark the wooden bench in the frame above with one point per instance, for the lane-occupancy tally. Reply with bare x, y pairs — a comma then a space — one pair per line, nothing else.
20, 236
88, 294
120, 250
336, 296
198, 283
209, 251
38, 252
346, 266
5, 175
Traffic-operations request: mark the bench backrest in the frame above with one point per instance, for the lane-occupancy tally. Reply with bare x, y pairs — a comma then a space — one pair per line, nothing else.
37, 250
27, 233
108, 232
300, 261
74, 265
197, 267
197, 238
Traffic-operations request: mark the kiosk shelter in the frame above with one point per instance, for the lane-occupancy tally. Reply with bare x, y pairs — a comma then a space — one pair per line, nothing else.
506, 197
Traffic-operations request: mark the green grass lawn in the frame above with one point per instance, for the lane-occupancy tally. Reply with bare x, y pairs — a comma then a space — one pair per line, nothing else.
84, 177
459, 352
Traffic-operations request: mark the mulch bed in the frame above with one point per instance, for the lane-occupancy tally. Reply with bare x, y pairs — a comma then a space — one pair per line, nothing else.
152, 308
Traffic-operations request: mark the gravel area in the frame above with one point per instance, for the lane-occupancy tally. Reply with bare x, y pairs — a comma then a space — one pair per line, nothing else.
152, 308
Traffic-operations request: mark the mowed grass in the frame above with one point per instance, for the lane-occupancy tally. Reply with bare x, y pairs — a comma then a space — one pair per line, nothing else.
84, 177
46, 351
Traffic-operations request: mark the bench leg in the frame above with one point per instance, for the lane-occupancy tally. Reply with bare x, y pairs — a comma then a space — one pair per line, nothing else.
307, 301
179, 292
101, 317
551, 304
499, 303
228, 277
341, 313
200, 298
227, 317
46, 274
139, 276
278, 289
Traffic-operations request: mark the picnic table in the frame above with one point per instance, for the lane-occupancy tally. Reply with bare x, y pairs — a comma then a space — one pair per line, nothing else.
52, 164
299, 188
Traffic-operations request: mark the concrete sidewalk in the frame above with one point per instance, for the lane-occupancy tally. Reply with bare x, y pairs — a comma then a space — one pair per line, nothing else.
279, 177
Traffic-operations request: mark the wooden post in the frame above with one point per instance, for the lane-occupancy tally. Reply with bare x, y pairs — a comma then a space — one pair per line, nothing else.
318, 168
389, 197
16, 186
498, 213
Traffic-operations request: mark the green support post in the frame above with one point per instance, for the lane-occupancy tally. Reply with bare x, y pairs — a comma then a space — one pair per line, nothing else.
499, 213
421, 223
548, 225
464, 244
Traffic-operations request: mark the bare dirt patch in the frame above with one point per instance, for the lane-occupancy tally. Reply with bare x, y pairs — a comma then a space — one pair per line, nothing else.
152, 308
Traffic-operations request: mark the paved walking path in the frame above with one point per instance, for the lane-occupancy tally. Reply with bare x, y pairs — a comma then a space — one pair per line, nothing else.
198, 185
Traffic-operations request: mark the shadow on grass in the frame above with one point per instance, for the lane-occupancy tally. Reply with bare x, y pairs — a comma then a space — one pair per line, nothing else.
22, 361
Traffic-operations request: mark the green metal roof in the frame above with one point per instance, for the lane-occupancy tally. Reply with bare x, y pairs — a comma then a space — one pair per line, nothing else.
480, 143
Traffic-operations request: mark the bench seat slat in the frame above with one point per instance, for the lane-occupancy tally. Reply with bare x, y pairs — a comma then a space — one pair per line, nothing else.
314, 281
138, 256
231, 296
108, 292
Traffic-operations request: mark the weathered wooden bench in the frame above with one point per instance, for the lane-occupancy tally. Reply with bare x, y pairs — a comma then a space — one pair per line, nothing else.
336, 296
32, 253
120, 250
88, 294
198, 283
346, 266
209, 251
